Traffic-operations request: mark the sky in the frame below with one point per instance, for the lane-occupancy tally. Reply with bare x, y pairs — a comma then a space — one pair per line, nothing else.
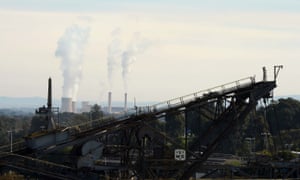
153, 50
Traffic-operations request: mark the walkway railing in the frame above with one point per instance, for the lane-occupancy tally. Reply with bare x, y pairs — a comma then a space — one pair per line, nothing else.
16, 146
228, 87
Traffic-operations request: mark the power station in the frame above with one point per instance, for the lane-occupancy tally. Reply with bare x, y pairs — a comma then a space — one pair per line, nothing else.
70, 106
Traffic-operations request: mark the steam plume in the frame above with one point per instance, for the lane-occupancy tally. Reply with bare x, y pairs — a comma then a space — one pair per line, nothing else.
70, 48
136, 46
113, 55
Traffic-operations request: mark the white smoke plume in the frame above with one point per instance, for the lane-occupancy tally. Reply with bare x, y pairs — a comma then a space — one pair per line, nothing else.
113, 55
137, 46
70, 48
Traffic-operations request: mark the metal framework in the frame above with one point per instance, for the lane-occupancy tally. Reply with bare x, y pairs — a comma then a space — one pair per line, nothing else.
134, 145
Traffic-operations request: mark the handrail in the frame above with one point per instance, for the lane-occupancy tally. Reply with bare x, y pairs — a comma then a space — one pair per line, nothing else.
190, 97
16, 146
221, 88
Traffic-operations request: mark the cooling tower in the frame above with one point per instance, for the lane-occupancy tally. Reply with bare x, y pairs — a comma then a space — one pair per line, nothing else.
109, 102
66, 104
125, 102
85, 107
74, 107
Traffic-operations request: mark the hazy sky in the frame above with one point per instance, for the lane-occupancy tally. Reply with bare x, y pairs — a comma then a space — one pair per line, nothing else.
164, 49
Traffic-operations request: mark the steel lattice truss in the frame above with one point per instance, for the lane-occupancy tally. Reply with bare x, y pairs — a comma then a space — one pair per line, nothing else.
134, 145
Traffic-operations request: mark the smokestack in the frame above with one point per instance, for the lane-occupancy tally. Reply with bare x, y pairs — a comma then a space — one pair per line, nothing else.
66, 104
49, 103
125, 102
51, 123
74, 107
109, 102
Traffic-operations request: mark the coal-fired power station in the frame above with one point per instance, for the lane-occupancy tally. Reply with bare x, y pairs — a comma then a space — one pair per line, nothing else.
69, 105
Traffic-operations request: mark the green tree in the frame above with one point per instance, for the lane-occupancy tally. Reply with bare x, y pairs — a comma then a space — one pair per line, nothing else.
96, 112
284, 114
196, 121
174, 125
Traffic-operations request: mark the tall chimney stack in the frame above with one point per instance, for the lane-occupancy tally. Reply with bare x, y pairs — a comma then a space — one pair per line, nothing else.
51, 123
49, 102
109, 102
125, 102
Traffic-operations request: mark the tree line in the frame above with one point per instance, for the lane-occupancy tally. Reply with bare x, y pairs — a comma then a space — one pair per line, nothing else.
273, 127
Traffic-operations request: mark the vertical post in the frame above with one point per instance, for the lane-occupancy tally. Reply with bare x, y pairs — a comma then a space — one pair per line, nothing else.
264, 73
11, 140
109, 102
135, 107
143, 158
276, 71
10, 132
125, 102
186, 132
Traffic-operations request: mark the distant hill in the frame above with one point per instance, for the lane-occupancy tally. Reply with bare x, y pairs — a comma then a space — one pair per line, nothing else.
35, 102
21, 102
